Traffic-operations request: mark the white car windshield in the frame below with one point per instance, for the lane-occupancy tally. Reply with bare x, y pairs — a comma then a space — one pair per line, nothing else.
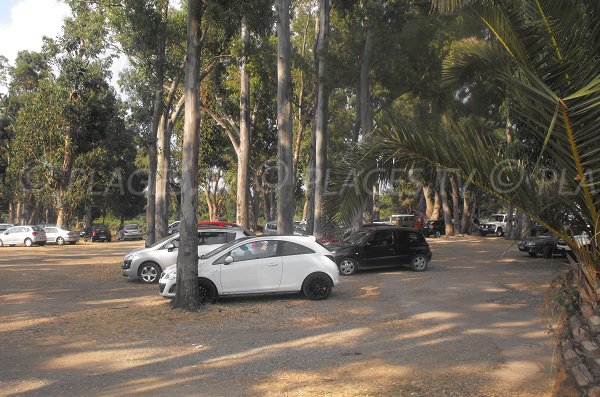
222, 248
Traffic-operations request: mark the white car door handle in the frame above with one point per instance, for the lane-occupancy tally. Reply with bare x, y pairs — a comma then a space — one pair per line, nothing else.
273, 264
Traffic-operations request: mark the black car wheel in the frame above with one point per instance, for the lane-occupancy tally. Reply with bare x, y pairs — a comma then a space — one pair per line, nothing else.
532, 254
499, 232
206, 291
60, 241
347, 267
317, 286
149, 273
418, 263
437, 233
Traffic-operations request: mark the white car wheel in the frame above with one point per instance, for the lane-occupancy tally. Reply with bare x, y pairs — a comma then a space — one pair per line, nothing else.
60, 241
28, 242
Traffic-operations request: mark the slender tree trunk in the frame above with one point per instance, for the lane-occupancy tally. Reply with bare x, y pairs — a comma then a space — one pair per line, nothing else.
437, 205
285, 184
301, 111
443, 177
243, 182
366, 114
508, 233
321, 118
162, 180
455, 203
376, 204
11, 212
428, 201
310, 191
467, 212
515, 233
187, 293
87, 219
152, 150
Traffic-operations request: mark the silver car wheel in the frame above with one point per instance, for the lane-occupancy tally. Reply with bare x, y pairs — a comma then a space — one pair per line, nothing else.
347, 267
149, 274
419, 263
28, 242
60, 241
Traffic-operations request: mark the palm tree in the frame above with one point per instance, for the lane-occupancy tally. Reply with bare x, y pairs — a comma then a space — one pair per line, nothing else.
552, 47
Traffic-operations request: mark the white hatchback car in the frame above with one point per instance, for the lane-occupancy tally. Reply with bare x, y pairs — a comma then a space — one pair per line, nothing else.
60, 236
258, 265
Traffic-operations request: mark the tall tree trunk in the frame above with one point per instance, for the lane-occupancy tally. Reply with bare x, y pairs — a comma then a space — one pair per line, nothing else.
187, 294
87, 218
510, 220
366, 114
443, 177
376, 204
301, 118
428, 200
285, 173
455, 203
467, 211
310, 191
437, 205
11, 212
243, 182
321, 118
162, 181
517, 227
152, 150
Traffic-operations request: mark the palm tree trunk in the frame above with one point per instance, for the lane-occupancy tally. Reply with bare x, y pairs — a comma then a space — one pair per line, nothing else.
455, 204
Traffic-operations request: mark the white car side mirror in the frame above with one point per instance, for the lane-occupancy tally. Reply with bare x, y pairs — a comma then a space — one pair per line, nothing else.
171, 247
228, 259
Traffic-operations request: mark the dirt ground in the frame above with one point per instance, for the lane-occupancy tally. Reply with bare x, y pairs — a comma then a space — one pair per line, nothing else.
471, 325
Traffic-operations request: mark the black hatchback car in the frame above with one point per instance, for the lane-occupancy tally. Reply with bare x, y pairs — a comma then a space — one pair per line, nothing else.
382, 246
96, 233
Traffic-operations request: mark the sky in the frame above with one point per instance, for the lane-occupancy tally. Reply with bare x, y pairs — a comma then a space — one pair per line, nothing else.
23, 23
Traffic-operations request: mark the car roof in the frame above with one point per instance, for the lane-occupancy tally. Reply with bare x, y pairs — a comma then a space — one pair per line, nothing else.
390, 227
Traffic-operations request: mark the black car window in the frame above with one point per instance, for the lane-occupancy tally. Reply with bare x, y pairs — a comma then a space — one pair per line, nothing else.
290, 248
408, 237
230, 236
382, 237
413, 237
209, 238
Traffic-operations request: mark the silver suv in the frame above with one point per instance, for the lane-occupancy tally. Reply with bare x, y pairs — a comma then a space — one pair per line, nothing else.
28, 235
148, 263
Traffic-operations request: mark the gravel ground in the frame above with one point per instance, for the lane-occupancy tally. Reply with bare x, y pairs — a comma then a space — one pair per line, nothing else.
471, 325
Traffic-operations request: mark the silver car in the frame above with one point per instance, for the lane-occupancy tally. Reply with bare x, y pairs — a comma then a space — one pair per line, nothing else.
60, 236
148, 263
27, 235
130, 232
5, 226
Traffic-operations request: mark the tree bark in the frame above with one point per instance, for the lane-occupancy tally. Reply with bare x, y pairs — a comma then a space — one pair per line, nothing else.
187, 293
285, 175
508, 233
366, 114
428, 201
455, 203
437, 205
376, 204
443, 177
467, 212
152, 149
321, 118
243, 182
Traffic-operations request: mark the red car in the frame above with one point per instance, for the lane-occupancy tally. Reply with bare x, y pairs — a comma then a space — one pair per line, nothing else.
218, 223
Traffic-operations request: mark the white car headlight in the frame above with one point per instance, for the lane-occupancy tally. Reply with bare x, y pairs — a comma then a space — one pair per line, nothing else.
169, 275
131, 257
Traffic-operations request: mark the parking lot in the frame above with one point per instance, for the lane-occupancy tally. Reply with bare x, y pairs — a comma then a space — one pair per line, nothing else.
471, 325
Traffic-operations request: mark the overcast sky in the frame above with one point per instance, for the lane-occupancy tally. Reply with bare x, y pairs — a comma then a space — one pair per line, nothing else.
23, 23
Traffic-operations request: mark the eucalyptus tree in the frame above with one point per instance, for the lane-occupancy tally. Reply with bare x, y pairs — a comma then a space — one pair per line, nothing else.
187, 291
285, 171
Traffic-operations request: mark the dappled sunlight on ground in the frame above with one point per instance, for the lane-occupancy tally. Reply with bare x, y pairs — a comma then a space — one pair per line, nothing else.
469, 326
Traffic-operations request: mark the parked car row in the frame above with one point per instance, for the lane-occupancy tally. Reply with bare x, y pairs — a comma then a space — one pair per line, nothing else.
233, 261
548, 245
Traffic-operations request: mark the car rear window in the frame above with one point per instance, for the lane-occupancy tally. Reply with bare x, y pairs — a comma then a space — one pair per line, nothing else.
129, 227
208, 238
290, 248
36, 228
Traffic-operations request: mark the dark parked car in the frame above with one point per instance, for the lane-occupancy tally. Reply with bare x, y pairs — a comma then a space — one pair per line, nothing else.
382, 246
434, 228
544, 245
96, 233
